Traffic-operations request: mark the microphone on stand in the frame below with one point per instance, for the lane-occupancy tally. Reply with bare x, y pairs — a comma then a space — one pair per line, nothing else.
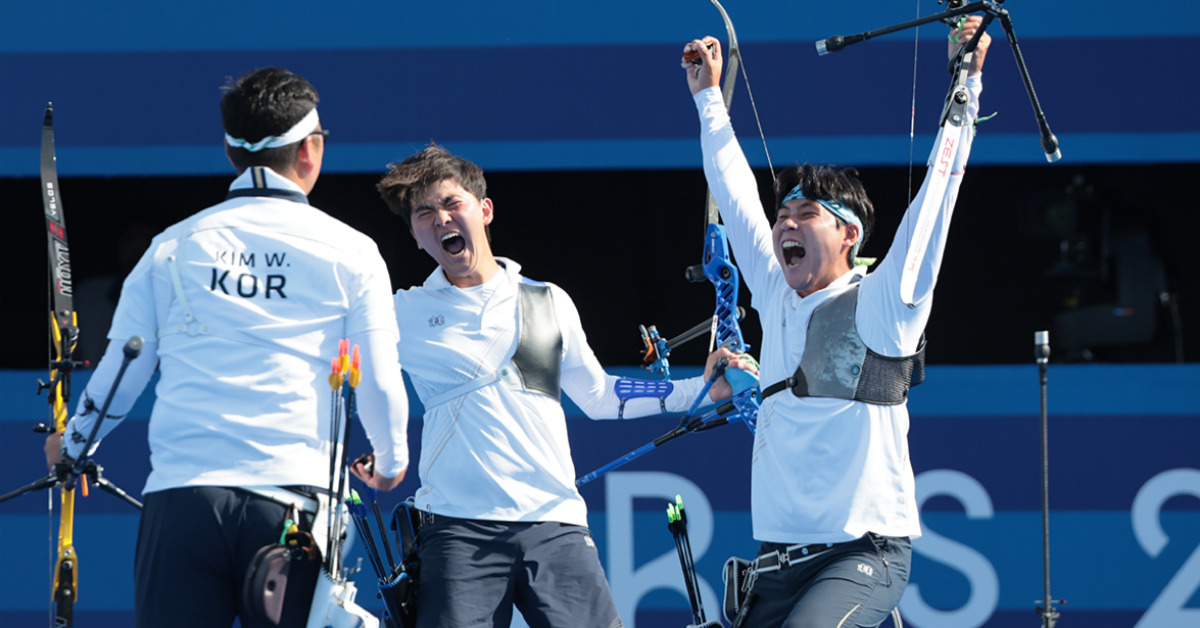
1053, 154
1041, 346
1041, 351
837, 43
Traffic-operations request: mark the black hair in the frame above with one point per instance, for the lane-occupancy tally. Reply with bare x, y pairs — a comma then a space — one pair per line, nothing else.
265, 102
407, 180
829, 183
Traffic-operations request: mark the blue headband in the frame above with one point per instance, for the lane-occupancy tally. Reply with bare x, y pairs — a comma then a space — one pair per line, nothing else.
835, 207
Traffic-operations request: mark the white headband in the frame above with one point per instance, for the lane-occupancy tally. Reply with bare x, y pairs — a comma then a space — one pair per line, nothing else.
303, 128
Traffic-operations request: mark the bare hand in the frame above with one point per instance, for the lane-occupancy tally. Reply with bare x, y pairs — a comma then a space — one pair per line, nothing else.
707, 73
364, 469
53, 450
961, 35
721, 390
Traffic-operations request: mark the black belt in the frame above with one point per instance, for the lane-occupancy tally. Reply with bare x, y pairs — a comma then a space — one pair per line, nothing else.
788, 556
777, 387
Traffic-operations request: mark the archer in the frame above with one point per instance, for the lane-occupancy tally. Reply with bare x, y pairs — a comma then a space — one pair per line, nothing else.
490, 353
832, 493
235, 439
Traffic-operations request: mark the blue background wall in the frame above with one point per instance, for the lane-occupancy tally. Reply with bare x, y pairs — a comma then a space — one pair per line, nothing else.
579, 115
1124, 478
551, 86
544, 84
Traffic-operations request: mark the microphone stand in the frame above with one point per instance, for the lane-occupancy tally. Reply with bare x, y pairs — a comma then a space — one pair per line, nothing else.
64, 472
1041, 350
954, 8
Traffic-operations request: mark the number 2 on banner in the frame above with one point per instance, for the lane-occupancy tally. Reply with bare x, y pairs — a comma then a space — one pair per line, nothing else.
1169, 608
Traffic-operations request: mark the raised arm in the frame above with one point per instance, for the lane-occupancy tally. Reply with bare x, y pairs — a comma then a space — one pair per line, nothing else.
920, 240
729, 176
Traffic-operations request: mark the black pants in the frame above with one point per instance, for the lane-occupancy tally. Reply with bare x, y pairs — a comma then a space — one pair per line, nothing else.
856, 583
194, 546
474, 572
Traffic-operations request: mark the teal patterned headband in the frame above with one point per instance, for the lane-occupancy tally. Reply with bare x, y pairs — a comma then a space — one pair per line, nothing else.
836, 208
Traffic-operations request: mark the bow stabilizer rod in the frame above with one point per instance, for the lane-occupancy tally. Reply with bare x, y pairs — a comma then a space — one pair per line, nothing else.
955, 8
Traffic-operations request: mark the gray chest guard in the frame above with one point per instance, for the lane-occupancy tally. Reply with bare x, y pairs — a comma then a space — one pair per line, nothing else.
836, 363
538, 358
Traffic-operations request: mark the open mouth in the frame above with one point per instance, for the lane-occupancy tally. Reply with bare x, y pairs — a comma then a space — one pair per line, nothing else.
793, 252
453, 243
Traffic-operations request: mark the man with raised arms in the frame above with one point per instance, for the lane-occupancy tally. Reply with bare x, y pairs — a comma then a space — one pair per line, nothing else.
832, 491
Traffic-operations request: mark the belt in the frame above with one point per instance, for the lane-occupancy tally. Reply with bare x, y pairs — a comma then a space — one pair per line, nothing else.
788, 556
285, 496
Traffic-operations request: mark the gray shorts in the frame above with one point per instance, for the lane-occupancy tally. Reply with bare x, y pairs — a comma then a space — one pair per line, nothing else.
474, 572
854, 584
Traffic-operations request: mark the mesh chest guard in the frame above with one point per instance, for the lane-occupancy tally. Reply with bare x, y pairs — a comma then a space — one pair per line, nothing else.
837, 363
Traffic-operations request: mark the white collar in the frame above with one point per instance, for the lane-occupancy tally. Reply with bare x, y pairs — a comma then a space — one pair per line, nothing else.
274, 180
437, 279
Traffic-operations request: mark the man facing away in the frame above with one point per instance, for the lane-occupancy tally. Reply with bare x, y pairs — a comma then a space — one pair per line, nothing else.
241, 306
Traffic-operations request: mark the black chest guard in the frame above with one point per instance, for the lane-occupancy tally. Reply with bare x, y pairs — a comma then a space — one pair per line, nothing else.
538, 357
